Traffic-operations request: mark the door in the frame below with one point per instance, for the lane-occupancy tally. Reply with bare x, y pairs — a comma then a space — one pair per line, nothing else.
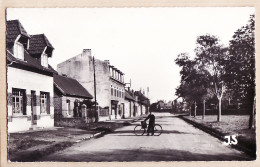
123, 110
33, 108
115, 112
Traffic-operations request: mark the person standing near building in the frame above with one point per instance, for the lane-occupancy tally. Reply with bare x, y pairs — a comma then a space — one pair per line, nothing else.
151, 118
75, 110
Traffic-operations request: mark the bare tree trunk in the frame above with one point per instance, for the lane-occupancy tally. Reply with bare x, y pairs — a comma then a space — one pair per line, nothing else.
252, 115
190, 110
219, 109
195, 110
204, 108
219, 101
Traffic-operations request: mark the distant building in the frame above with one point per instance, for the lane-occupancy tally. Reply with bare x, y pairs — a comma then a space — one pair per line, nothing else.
143, 103
29, 79
160, 105
110, 91
68, 93
168, 105
130, 104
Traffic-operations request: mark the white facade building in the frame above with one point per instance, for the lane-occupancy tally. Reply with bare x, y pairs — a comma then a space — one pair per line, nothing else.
29, 80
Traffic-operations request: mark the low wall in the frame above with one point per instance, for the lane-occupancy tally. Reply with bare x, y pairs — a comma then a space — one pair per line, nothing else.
69, 122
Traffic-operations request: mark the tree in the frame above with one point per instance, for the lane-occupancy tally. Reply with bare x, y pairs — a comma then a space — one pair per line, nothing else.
193, 81
209, 57
240, 66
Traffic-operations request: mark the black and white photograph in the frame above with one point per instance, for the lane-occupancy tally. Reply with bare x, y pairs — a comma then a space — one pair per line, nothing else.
144, 84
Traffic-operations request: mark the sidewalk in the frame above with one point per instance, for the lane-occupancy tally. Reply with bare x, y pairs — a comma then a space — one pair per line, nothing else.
33, 144
230, 125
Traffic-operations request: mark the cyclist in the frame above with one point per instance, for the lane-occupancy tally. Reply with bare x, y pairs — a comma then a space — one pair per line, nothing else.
151, 118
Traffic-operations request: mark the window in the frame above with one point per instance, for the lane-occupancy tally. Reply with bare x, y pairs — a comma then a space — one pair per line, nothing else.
19, 50
44, 60
19, 106
112, 91
68, 107
45, 103
111, 72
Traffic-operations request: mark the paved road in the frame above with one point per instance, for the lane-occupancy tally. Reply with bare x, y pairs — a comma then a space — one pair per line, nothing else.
180, 141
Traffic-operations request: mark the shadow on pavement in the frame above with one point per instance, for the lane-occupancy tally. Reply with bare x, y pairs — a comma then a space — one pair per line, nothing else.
145, 155
131, 132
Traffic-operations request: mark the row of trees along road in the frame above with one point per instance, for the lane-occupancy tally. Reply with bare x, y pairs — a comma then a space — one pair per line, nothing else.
218, 71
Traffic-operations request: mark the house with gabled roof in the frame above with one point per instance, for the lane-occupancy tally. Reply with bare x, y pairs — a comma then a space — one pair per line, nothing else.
68, 93
29, 79
130, 108
143, 103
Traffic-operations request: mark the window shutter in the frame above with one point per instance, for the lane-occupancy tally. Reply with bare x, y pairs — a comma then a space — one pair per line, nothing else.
34, 99
24, 102
48, 103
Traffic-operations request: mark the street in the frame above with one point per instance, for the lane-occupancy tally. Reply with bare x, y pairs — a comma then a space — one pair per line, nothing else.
179, 141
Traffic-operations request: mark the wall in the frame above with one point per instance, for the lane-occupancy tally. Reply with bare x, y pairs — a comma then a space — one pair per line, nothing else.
22, 79
65, 112
127, 108
121, 100
81, 68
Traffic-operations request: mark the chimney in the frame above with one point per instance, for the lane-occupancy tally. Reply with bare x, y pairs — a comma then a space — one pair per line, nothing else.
107, 61
147, 92
86, 52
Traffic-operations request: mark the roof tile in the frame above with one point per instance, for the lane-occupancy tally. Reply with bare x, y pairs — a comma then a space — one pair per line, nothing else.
38, 43
69, 86
13, 29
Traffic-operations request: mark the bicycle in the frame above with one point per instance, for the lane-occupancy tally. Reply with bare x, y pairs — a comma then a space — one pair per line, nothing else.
139, 130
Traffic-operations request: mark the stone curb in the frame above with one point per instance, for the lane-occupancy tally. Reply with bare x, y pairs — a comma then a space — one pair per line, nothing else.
32, 154
92, 136
204, 128
219, 135
101, 133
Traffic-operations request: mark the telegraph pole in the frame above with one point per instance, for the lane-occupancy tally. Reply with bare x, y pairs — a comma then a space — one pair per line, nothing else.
94, 64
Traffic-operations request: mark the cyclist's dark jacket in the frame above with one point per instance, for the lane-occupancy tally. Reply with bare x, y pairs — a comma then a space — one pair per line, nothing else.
151, 118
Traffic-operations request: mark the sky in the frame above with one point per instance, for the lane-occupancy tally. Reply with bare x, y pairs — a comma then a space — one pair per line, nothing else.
141, 42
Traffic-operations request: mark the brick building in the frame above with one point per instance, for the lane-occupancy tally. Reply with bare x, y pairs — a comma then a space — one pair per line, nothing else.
68, 93
110, 91
29, 79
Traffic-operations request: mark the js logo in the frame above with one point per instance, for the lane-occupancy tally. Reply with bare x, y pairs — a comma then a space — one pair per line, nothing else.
231, 140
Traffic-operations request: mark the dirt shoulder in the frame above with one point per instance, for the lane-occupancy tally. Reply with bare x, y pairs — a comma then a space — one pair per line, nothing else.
29, 146
230, 125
